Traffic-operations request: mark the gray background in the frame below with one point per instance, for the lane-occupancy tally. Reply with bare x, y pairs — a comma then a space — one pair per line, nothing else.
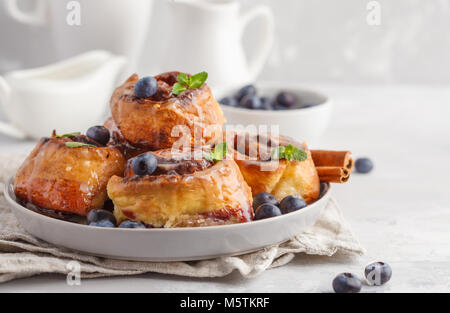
316, 40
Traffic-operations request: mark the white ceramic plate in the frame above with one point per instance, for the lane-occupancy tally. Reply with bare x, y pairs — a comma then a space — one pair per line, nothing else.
173, 244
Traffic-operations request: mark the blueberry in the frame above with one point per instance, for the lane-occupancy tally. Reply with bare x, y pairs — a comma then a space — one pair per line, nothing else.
248, 90
266, 210
363, 165
104, 223
264, 197
230, 101
131, 224
267, 103
347, 283
98, 215
286, 99
291, 204
144, 164
251, 102
378, 273
146, 87
99, 134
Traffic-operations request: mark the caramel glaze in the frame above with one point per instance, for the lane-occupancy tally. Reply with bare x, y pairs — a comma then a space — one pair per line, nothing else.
279, 177
147, 123
65, 179
182, 192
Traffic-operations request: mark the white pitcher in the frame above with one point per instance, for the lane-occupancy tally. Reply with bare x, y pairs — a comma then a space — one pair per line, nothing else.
206, 35
119, 26
68, 96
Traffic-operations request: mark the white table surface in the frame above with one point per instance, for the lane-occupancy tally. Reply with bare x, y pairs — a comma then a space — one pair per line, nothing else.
400, 212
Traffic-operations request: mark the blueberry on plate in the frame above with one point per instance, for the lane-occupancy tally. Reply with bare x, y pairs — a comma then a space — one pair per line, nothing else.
251, 102
248, 90
291, 204
363, 165
347, 283
264, 197
286, 99
378, 273
99, 215
104, 223
267, 210
146, 87
267, 103
144, 164
99, 134
131, 224
230, 101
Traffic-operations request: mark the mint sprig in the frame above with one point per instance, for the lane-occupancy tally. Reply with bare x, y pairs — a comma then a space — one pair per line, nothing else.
185, 82
73, 144
289, 153
218, 153
68, 135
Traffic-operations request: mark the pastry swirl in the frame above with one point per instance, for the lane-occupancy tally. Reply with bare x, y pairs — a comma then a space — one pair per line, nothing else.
66, 179
182, 192
280, 177
148, 122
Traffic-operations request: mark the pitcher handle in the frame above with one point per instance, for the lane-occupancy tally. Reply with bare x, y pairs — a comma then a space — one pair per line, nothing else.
37, 16
5, 127
263, 12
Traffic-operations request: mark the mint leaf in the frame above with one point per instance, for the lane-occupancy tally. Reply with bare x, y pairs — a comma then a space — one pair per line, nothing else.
198, 80
73, 144
218, 153
68, 135
289, 153
184, 79
184, 82
178, 88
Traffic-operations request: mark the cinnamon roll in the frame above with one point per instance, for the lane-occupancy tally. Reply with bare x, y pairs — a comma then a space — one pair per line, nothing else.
182, 192
58, 177
278, 177
149, 123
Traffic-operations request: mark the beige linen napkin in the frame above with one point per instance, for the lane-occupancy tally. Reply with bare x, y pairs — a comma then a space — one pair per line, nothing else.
22, 255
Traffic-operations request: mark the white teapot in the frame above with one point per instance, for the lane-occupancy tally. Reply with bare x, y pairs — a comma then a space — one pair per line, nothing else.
206, 35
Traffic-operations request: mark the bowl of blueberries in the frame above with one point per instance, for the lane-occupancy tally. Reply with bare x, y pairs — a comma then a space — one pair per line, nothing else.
302, 114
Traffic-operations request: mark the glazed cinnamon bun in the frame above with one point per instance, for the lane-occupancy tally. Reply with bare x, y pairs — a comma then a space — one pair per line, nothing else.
279, 177
182, 192
67, 174
149, 123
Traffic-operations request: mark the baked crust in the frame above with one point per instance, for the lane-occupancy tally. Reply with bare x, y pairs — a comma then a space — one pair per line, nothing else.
280, 178
148, 122
215, 194
60, 178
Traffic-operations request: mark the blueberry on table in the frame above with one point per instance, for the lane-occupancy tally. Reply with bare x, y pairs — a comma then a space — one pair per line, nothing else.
251, 102
248, 90
347, 283
363, 165
99, 134
131, 224
378, 273
264, 197
144, 164
286, 99
267, 210
104, 223
99, 215
291, 204
230, 101
146, 87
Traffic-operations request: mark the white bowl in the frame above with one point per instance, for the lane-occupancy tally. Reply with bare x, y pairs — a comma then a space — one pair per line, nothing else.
306, 124
172, 244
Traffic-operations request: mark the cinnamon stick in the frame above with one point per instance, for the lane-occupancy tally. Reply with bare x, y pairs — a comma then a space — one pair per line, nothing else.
333, 166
